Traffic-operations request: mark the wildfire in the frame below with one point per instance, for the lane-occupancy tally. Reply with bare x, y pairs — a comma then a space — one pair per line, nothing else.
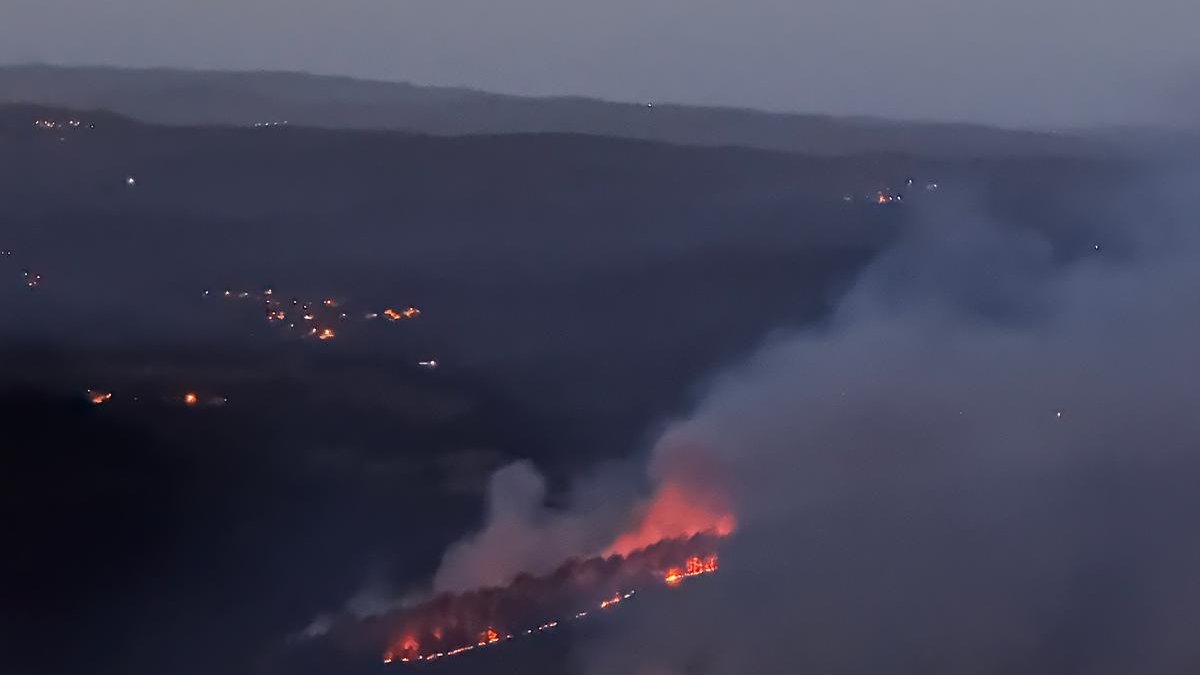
190, 398
695, 567
674, 536
98, 397
407, 649
616, 599
326, 334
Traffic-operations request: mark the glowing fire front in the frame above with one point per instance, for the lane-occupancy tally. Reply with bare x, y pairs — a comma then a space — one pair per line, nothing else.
694, 568
410, 648
671, 537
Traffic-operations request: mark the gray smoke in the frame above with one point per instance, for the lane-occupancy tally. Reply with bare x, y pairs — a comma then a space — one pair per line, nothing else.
520, 535
986, 463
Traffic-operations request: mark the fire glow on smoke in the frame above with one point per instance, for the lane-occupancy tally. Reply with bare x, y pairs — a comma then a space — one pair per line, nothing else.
673, 514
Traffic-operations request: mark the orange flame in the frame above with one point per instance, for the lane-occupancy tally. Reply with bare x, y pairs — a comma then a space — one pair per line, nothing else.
408, 313
695, 567
407, 649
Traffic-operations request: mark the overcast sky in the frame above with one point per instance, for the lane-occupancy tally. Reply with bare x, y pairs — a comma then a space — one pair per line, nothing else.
1015, 62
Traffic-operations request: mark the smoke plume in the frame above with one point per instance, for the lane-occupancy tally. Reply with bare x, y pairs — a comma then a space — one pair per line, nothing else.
984, 463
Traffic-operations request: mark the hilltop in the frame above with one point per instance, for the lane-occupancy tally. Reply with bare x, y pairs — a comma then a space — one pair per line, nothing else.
191, 97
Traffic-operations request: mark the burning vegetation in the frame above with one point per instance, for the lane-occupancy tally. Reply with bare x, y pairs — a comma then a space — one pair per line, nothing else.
450, 624
695, 567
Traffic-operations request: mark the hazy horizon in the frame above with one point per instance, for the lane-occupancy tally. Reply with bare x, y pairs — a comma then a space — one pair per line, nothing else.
1020, 64
549, 96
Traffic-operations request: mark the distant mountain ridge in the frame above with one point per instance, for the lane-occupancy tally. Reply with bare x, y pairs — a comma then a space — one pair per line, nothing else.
193, 97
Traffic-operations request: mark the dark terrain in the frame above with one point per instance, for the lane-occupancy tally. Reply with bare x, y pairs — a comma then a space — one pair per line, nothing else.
577, 290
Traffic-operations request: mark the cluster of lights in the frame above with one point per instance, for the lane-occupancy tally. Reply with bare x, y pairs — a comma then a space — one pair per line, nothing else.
55, 124
302, 314
889, 196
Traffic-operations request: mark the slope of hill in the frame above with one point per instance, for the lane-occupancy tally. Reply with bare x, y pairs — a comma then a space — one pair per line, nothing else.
570, 253
574, 289
243, 98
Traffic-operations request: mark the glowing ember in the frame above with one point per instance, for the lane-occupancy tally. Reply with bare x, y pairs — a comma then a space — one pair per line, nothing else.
409, 313
191, 398
326, 334
98, 397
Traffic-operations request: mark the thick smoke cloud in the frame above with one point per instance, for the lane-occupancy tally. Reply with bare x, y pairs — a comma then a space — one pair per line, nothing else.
985, 463
604, 515
520, 536
522, 533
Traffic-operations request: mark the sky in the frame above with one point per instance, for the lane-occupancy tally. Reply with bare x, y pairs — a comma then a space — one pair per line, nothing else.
1061, 63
